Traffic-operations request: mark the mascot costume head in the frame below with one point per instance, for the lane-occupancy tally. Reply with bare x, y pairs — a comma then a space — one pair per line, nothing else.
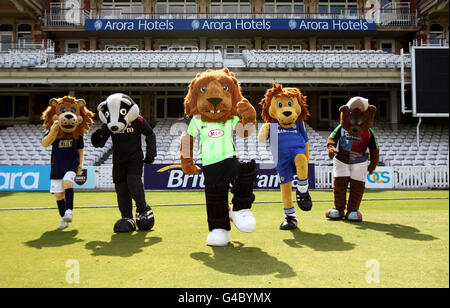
218, 111
347, 147
117, 111
284, 110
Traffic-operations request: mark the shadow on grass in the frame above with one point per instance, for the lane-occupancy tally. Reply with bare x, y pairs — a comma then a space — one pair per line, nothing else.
123, 244
54, 238
395, 230
244, 261
318, 242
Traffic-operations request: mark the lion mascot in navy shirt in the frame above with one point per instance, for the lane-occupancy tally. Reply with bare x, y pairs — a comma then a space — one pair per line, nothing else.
66, 120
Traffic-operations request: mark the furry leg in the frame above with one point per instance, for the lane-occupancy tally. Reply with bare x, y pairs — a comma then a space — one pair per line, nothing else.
124, 200
340, 193
357, 189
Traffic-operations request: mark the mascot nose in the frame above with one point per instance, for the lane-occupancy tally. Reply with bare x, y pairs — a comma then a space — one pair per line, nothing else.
68, 116
214, 100
355, 129
114, 128
287, 113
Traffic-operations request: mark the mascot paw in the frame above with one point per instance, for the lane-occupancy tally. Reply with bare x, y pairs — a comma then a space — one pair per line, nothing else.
289, 224
149, 159
304, 201
243, 220
145, 220
333, 214
124, 225
218, 237
96, 138
354, 216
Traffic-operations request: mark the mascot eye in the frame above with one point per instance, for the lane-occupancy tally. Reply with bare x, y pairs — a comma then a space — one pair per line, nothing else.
225, 88
106, 114
203, 89
360, 122
73, 110
123, 111
289, 103
62, 110
352, 122
280, 104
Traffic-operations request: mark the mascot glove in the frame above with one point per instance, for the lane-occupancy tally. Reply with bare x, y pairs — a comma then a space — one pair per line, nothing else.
149, 159
96, 138
332, 152
371, 168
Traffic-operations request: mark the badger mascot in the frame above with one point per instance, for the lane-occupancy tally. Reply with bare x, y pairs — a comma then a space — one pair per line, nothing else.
120, 115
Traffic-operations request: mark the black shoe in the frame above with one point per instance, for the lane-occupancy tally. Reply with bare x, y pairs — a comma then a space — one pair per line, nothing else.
289, 224
124, 225
145, 220
304, 201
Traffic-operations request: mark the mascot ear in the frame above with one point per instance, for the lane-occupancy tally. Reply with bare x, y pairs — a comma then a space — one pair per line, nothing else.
372, 110
81, 102
343, 109
101, 106
53, 102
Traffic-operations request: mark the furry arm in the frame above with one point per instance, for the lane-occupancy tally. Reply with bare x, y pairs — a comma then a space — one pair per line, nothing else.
374, 157
331, 146
51, 136
264, 133
80, 166
187, 154
150, 139
247, 125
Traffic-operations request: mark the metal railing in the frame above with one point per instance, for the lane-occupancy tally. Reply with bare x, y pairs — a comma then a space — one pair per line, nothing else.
391, 16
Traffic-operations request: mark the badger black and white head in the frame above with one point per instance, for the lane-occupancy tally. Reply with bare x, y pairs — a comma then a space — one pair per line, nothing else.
117, 111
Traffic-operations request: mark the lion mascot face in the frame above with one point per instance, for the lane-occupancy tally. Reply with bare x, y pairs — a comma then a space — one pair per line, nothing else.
284, 105
72, 115
357, 116
214, 95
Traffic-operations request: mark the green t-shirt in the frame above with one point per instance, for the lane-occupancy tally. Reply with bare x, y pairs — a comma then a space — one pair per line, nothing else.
216, 139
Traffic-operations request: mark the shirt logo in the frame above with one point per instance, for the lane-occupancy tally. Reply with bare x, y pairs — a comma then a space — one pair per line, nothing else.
65, 143
215, 133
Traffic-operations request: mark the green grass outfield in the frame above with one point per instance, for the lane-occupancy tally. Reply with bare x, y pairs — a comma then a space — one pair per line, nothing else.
401, 243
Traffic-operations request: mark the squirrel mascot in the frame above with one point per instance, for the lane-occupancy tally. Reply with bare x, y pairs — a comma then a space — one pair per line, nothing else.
122, 122
66, 120
215, 102
284, 110
347, 147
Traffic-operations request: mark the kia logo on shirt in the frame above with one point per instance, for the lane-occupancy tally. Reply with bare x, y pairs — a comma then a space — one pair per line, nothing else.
216, 133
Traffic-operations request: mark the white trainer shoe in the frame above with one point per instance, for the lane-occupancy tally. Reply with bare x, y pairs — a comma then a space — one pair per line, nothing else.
218, 237
243, 220
62, 224
68, 216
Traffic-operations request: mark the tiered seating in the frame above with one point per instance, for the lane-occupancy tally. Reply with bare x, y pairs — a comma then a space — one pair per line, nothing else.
21, 145
398, 147
99, 59
323, 59
24, 58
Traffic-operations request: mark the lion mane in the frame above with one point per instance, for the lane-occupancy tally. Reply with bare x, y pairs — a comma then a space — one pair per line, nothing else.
49, 116
225, 77
277, 90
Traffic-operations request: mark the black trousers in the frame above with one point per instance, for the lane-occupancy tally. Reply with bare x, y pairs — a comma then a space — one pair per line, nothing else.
127, 178
218, 178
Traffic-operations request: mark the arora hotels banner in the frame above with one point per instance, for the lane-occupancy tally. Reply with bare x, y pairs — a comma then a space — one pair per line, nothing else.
229, 24
171, 177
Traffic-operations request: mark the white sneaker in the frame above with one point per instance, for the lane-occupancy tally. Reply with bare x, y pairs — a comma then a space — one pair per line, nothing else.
218, 237
68, 215
243, 220
62, 224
